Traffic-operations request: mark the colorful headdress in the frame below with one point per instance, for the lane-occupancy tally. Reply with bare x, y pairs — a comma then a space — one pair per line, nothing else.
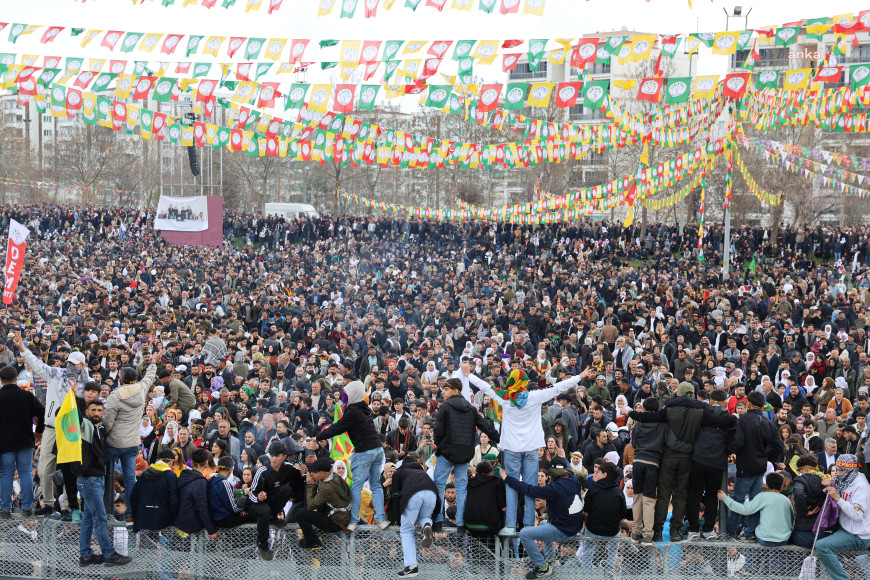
516, 390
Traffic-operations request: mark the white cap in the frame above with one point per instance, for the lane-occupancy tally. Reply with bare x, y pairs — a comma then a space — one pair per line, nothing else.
76, 358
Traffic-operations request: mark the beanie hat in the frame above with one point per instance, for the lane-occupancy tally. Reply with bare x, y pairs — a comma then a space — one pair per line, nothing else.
686, 389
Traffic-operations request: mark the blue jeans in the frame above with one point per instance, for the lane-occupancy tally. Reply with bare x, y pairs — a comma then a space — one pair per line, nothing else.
745, 488
128, 469
547, 533
367, 463
21, 461
418, 511
589, 549
460, 479
94, 518
827, 549
519, 465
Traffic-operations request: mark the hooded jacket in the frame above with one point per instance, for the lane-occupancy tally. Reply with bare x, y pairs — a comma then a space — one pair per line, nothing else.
124, 408
456, 425
330, 497
222, 498
154, 501
57, 383
605, 507
411, 478
193, 513
755, 442
809, 493
485, 503
356, 421
711, 446
93, 450
648, 441
564, 502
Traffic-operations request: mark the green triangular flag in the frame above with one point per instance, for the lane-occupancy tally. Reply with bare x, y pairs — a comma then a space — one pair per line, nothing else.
786, 35
76, 31
462, 49
515, 96
201, 69
412, 4
536, 52
193, 43
263, 68
486, 6
348, 7
614, 44
438, 96
15, 31
326, 43
253, 48
296, 97
752, 265
131, 39
367, 96
678, 90
390, 67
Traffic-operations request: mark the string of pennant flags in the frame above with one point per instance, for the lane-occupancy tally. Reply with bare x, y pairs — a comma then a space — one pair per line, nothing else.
64, 187
762, 195
678, 196
840, 159
250, 5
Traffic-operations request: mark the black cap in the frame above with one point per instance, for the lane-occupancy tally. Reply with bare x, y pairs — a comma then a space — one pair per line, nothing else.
320, 465
559, 463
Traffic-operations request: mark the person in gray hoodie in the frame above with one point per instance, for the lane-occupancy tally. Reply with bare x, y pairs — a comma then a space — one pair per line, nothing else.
57, 383
124, 408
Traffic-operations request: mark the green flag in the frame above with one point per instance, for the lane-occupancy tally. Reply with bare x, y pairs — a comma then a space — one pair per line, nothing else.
669, 50
327, 43
814, 22
201, 69
752, 265
253, 48
768, 79
486, 6
15, 31
515, 96
296, 96
131, 39
391, 49
462, 49
707, 38
859, 75
614, 44
595, 94
390, 67
263, 68
536, 52
101, 83
348, 7
367, 96
438, 96
786, 35
412, 4
743, 39
678, 90
163, 90
193, 44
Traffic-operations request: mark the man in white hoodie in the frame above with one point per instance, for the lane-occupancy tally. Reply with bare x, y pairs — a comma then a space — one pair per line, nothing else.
522, 434
852, 493
57, 383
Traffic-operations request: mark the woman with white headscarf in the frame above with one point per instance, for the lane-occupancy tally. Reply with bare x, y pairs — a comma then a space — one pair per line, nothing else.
430, 375
340, 469
170, 436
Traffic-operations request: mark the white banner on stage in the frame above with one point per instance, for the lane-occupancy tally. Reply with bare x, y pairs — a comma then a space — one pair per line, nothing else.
182, 214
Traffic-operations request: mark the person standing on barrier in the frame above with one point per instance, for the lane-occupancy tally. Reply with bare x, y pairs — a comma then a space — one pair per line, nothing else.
709, 462
57, 382
564, 495
327, 504
755, 442
18, 410
456, 424
272, 487
91, 483
648, 441
852, 493
124, 409
418, 503
605, 507
368, 455
522, 434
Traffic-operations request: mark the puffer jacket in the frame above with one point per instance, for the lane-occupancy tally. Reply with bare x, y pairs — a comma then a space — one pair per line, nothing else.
809, 493
124, 409
455, 426
154, 501
193, 513
357, 423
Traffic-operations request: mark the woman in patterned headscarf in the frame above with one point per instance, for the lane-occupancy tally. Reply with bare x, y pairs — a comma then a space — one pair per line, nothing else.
851, 492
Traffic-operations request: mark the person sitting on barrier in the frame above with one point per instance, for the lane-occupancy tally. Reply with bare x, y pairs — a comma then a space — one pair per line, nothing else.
227, 511
852, 493
271, 489
564, 506
193, 514
777, 516
418, 504
605, 508
809, 495
154, 501
327, 504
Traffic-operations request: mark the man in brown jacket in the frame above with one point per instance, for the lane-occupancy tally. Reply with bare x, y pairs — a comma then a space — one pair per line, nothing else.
327, 503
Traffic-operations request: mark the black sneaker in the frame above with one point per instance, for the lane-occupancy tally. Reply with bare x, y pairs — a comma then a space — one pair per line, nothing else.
647, 541
462, 530
658, 537
427, 536
118, 560
66, 516
437, 527
676, 536
539, 572
29, 513
92, 560
315, 545
636, 537
265, 553
409, 572
5, 515
44, 511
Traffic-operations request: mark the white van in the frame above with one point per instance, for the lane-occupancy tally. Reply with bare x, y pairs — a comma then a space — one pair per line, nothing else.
291, 210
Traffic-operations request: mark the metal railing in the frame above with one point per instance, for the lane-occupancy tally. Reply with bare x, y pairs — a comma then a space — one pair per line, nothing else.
40, 548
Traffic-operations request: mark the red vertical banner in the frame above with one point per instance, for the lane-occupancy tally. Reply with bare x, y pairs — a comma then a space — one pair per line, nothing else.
14, 259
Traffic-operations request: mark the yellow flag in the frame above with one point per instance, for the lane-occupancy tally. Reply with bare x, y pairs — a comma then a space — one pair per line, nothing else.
539, 94
624, 85
274, 48
705, 86
95, 65
325, 7
642, 47
11, 74
486, 49
535, 7
285, 67
557, 56
692, 44
844, 19
349, 53
725, 42
253, 5
213, 45
67, 431
149, 41
413, 46
244, 92
319, 100
89, 36
464, 5
797, 79
125, 84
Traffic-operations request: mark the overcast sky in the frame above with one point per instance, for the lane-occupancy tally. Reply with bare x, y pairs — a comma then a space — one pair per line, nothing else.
298, 19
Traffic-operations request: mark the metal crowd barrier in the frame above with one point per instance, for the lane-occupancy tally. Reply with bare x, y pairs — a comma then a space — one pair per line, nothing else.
42, 548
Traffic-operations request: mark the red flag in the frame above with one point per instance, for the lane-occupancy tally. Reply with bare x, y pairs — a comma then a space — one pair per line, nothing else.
369, 51
158, 126
489, 95
182, 68
236, 136
119, 115
829, 74
170, 43
439, 47
111, 39
511, 43
117, 67
436, 4
73, 103
268, 92
344, 97
847, 29
430, 67
143, 87
297, 49
736, 85
864, 17
234, 45
509, 62
84, 79
204, 92
566, 95
243, 71
509, 6
305, 150
274, 5
371, 7
15, 251
200, 134
50, 34
650, 90
585, 53
272, 146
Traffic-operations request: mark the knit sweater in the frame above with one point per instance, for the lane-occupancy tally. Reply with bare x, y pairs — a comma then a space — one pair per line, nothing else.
777, 515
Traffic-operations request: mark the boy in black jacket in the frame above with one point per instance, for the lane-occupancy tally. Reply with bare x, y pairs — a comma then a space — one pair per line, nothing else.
193, 514
91, 483
271, 489
604, 505
154, 501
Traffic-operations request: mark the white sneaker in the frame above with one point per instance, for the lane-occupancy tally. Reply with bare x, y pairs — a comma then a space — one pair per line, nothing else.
693, 536
383, 524
351, 527
507, 531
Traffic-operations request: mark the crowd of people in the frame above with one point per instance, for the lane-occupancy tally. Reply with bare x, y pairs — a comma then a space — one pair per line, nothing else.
526, 382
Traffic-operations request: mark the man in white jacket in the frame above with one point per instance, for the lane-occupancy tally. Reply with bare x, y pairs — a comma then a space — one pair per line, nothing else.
522, 434
58, 381
124, 408
852, 493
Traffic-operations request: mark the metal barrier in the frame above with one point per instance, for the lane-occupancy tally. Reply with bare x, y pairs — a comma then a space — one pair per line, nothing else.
41, 548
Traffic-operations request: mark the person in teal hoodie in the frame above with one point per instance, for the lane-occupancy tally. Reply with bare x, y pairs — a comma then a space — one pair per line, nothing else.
777, 515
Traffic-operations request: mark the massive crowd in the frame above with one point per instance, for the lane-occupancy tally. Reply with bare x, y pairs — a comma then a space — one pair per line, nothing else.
507, 380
